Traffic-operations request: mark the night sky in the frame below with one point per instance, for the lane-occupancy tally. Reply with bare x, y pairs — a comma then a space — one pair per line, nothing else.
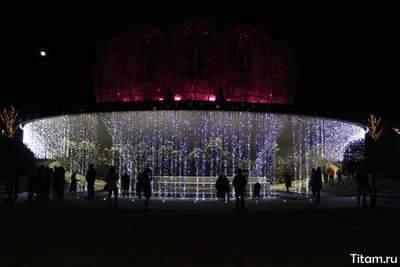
345, 59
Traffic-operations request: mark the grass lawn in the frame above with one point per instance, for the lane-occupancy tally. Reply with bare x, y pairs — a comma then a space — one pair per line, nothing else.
38, 235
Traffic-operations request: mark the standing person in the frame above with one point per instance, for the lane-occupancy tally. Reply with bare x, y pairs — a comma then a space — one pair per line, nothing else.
146, 184
91, 176
313, 176
239, 183
139, 184
317, 184
126, 180
339, 176
111, 180
220, 187
73, 185
228, 187
363, 186
54, 181
39, 183
288, 180
47, 183
325, 172
61, 181
257, 191
331, 176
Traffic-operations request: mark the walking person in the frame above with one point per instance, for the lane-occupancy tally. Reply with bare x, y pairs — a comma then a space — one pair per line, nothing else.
339, 176
239, 183
126, 180
313, 176
363, 186
139, 185
227, 188
146, 183
111, 187
317, 184
288, 180
73, 185
91, 176
325, 173
220, 187
331, 176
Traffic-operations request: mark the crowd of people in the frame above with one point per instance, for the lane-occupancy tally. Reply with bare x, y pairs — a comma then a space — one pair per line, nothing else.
143, 184
48, 178
327, 174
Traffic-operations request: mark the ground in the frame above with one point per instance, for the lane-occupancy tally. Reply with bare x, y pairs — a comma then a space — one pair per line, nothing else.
287, 231
184, 233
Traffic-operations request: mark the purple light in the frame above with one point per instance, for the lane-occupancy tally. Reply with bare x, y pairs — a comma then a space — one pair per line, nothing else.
187, 149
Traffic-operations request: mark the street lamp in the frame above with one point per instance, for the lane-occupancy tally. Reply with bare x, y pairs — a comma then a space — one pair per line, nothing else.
42, 53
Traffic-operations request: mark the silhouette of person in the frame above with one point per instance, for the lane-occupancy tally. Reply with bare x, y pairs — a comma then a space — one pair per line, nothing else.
54, 181
257, 190
31, 187
362, 180
91, 176
339, 176
47, 183
288, 180
325, 172
39, 183
331, 176
239, 183
61, 181
126, 179
13, 189
139, 185
220, 187
227, 187
374, 187
111, 180
311, 181
73, 186
317, 184
146, 184
350, 173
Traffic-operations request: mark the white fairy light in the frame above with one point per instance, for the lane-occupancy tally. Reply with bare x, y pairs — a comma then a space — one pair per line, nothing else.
187, 150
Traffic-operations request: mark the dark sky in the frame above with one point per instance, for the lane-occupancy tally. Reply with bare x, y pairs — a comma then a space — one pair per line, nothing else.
345, 57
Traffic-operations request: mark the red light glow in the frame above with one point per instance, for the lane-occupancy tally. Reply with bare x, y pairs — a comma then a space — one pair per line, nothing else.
191, 70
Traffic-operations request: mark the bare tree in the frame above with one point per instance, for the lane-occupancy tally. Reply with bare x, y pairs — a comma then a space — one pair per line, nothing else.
11, 121
374, 129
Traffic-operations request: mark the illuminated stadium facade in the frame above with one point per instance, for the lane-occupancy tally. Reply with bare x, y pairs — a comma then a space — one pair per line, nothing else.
195, 62
187, 148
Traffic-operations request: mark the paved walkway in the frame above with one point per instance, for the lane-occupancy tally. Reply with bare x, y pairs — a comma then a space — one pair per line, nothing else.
189, 232
387, 188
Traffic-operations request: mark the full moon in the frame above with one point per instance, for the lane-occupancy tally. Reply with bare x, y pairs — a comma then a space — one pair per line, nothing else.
42, 53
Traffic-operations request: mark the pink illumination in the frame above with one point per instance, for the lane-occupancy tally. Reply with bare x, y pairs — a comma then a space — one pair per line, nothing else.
225, 62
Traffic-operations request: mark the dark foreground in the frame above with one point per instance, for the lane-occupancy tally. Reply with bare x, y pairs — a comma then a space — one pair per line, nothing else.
62, 235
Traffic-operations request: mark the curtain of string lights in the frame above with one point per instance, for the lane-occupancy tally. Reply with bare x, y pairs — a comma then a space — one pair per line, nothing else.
187, 150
